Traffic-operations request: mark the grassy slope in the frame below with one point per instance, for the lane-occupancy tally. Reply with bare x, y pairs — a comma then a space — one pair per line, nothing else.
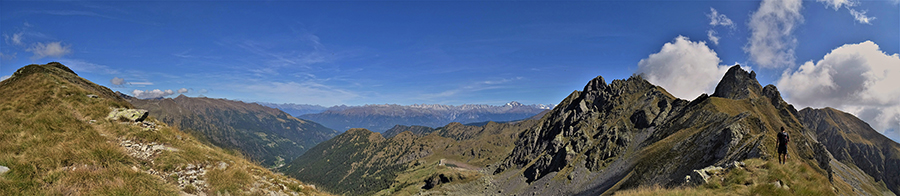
51, 148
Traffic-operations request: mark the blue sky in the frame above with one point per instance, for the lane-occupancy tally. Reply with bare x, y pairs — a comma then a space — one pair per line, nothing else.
476, 52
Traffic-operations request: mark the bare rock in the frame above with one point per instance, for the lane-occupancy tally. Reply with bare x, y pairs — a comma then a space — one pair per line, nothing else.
134, 115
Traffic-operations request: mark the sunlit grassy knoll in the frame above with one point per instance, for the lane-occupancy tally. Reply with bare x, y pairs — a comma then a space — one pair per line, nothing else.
55, 141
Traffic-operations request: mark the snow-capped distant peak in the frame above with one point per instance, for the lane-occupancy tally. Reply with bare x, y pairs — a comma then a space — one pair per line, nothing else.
514, 104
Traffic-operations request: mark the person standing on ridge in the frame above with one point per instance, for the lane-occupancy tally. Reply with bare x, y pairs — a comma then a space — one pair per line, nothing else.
783, 139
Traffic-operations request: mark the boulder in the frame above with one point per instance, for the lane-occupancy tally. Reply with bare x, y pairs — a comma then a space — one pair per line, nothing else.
3, 169
702, 176
133, 115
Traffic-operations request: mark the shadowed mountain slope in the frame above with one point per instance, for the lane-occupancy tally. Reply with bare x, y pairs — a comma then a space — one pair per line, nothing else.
55, 139
264, 134
853, 141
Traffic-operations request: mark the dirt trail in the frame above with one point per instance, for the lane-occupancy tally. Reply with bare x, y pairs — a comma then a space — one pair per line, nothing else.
458, 164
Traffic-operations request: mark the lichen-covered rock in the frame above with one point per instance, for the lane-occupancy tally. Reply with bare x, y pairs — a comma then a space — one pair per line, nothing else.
133, 115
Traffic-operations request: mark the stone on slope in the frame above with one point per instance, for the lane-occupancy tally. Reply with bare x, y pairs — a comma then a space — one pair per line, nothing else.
134, 115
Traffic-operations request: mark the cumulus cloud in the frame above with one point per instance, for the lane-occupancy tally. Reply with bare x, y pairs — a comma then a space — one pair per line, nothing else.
684, 68
182, 91
857, 78
117, 81
52, 49
771, 43
150, 94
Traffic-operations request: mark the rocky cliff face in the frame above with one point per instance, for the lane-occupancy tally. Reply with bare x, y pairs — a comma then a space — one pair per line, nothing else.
853, 141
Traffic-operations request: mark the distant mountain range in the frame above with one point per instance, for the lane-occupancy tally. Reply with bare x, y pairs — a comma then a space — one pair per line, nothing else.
382, 117
295, 109
263, 134
621, 138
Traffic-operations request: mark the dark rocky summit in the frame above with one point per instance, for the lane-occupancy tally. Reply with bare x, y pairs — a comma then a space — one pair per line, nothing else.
738, 84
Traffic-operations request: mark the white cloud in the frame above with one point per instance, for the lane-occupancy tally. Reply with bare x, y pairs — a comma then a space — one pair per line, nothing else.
117, 81
149, 94
716, 19
2, 78
861, 16
837, 4
711, 35
182, 90
684, 68
771, 42
15, 39
857, 78
52, 49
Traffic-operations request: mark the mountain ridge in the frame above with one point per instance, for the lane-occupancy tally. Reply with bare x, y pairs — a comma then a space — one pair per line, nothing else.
381, 117
629, 134
264, 134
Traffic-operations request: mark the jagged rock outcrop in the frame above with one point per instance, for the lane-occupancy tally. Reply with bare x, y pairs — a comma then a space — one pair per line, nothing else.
738, 84
851, 140
592, 127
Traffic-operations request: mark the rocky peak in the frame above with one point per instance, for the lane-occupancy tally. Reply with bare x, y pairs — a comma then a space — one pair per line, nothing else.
738, 84
597, 84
